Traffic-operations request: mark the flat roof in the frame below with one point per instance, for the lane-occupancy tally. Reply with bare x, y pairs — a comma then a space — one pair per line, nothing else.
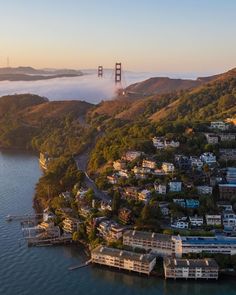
147, 235
217, 240
123, 254
196, 263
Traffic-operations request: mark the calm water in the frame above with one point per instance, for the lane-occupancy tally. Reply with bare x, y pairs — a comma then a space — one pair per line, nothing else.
43, 271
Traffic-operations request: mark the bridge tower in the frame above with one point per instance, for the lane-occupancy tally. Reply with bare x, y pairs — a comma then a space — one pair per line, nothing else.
118, 73
100, 71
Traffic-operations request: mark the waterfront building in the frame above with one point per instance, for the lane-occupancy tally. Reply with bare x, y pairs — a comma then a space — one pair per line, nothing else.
175, 268
141, 263
196, 244
159, 244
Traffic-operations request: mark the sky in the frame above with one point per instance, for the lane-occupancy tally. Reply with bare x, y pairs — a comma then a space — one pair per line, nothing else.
181, 36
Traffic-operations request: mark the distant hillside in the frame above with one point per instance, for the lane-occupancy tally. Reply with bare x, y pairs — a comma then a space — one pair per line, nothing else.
24, 116
216, 99
31, 74
162, 85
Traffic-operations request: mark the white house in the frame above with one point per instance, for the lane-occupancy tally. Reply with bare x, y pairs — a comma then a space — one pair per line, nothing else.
149, 164
229, 219
196, 221
175, 186
208, 158
204, 190
181, 223
219, 125
160, 188
196, 162
213, 219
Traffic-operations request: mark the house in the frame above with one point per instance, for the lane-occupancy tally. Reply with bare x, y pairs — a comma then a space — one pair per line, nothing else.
125, 215
140, 172
109, 230
160, 188
213, 220
71, 225
168, 167
204, 189
227, 191
113, 179
131, 192
164, 207
225, 206
105, 206
175, 186
85, 211
162, 143
144, 195
227, 136
182, 162
121, 259
150, 164
158, 142
220, 125
229, 219
66, 196
180, 202
123, 173
48, 215
119, 165
227, 154
231, 175
196, 163
196, 221
211, 138
181, 223
208, 158
192, 204
175, 268
132, 155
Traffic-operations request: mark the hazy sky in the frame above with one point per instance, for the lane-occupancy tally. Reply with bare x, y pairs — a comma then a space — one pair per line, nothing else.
147, 35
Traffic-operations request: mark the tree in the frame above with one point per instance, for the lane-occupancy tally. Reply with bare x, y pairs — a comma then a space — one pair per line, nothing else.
116, 202
146, 213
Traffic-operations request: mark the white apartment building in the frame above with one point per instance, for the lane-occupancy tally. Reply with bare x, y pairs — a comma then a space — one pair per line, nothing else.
159, 244
141, 263
175, 268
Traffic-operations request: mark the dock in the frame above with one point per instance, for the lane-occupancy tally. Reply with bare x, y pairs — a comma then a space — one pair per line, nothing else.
24, 217
81, 265
34, 241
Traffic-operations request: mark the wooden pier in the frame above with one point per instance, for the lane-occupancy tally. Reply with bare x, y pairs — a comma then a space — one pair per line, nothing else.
81, 265
24, 217
48, 242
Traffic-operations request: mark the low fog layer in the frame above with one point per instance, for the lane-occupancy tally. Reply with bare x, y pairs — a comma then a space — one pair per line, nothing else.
87, 87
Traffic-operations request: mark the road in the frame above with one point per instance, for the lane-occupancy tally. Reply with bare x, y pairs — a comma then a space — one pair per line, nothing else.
82, 162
